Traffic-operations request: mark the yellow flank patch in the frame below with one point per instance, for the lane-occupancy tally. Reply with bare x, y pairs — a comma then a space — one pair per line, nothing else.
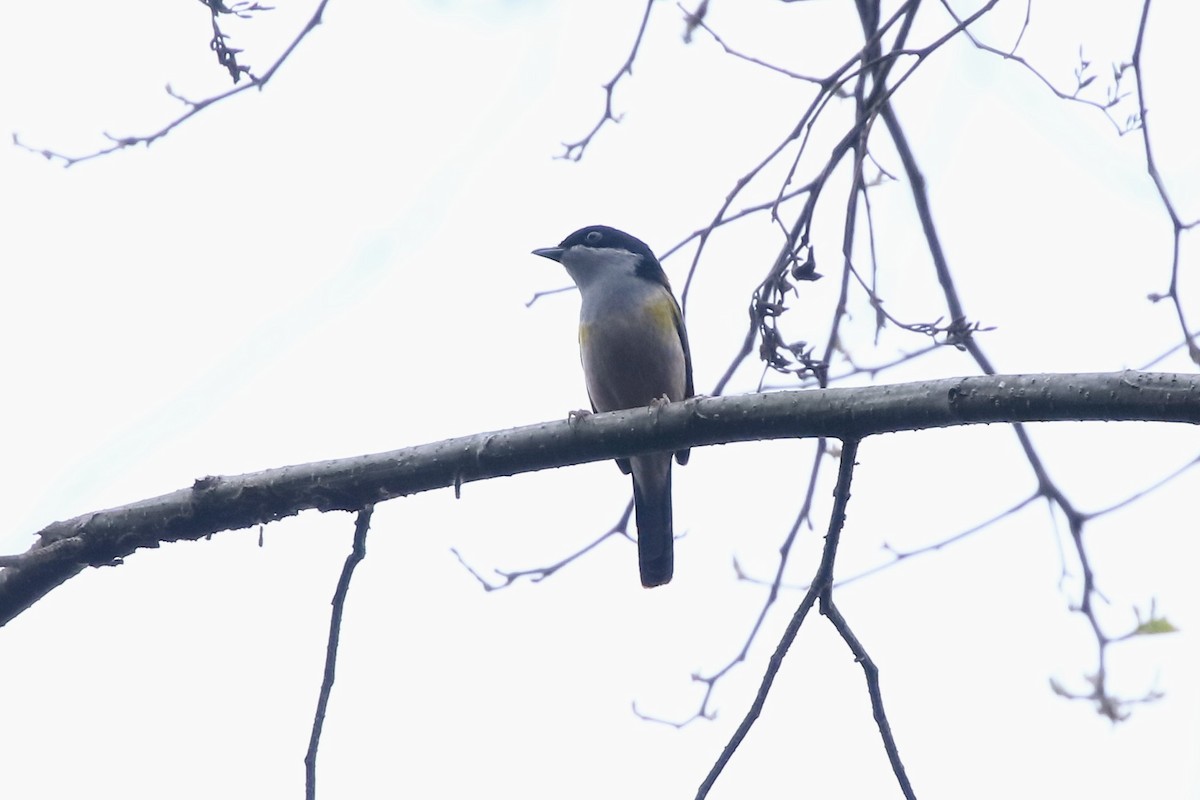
664, 313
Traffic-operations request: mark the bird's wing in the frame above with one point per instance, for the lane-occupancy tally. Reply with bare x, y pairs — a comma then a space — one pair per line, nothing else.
681, 457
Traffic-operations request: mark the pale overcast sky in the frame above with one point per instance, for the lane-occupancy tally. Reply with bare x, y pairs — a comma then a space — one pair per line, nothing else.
340, 265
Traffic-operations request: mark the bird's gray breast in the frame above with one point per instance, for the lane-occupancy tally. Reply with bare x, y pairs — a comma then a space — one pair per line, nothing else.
630, 344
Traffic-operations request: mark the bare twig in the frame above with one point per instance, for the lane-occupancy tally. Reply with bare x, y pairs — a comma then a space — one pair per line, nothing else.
1135, 122
695, 21
538, 574
1177, 224
898, 556
794, 261
1046, 487
1138, 495
194, 107
821, 580
710, 681
546, 293
226, 55
357, 553
573, 151
1083, 77
871, 672
1160, 358
903, 555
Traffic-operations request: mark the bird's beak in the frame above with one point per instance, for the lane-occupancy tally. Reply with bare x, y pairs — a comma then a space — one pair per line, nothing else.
552, 253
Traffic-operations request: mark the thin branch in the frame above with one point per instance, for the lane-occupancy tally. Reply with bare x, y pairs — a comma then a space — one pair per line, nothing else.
830, 86
1133, 123
821, 580
725, 220
871, 672
194, 107
546, 293
903, 555
710, 681
573, 151
1177, 224
695, 21
954, 332
539, 574
1160, 358
767, 301
1161, 482
357, 553
226, 55
1082, 79
899, 556
874, 370
1046, 486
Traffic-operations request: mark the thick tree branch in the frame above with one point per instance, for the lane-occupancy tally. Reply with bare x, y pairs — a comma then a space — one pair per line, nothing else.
214, 504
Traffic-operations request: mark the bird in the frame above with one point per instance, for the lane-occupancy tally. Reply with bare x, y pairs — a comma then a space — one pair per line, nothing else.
635, 353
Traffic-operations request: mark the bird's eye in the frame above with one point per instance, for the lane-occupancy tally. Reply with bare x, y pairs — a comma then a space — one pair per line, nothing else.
593, 237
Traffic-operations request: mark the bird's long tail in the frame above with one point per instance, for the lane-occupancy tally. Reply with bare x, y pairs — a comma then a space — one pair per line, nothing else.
652, 509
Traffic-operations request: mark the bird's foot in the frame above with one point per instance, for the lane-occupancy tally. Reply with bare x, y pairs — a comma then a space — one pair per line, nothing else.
577, 414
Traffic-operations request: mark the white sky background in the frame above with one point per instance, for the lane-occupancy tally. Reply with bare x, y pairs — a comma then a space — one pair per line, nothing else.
340, 265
